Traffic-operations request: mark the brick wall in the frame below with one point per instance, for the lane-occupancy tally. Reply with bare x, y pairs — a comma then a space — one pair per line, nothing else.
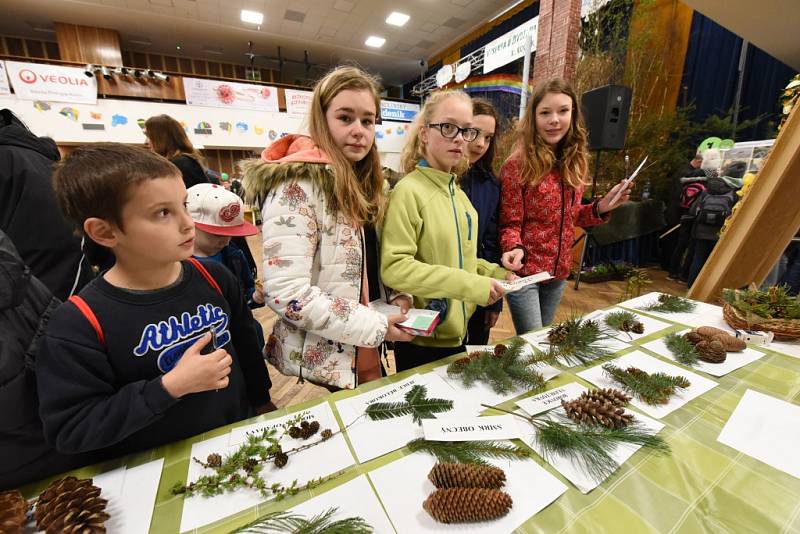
557, 39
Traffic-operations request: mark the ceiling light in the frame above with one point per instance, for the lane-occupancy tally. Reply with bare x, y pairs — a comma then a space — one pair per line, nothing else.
105, 72
160, 76
397, 19
90, 70
177, 47
375, 42
138, 73
253, 17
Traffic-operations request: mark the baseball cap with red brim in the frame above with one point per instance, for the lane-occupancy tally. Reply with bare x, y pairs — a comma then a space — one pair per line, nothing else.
217, 211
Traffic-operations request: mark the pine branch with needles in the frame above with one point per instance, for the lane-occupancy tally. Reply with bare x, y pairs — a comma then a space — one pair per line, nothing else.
468, 452
667, 303
505, 369
416, 404
655, 388
683, 350
285, 522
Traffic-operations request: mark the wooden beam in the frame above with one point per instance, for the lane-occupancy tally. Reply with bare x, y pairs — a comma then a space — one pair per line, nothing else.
763, 225
86, 44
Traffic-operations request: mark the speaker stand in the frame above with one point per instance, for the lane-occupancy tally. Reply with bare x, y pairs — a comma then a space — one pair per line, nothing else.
587, 235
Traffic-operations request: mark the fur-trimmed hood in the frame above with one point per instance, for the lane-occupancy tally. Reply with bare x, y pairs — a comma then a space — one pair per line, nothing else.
290, 158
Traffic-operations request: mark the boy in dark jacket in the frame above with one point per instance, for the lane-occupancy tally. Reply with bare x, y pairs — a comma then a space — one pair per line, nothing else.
25, 307
158, 348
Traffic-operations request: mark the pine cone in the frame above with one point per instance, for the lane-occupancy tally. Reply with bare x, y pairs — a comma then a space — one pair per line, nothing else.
711, 351
730, 342
466, 476
584, 410
637, 328
558, 334
462, 361
635, 371
13, 512
326, 434
294, 432
281, 459
499, 350
614, 396
70, 505
474, 354
308, 429
693, 337
626, 326
250, 464
467, 505
214, 460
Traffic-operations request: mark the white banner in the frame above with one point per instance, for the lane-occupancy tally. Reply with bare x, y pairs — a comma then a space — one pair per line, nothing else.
297, 102
34, 81
5, 89
231, 95
509, 46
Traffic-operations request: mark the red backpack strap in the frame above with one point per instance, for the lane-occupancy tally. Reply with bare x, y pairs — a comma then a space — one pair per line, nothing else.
87, 312
206, 274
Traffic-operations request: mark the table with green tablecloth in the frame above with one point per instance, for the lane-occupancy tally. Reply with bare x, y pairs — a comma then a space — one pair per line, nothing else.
701, 486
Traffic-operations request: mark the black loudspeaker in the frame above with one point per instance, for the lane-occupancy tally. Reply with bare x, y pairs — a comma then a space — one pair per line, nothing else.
605, 112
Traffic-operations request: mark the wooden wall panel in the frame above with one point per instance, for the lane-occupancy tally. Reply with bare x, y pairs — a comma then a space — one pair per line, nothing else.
85, 44
35, 49
14, 47
142, 88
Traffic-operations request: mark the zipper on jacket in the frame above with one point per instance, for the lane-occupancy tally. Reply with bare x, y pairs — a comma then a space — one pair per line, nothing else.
458, 235
560, 229
469, 226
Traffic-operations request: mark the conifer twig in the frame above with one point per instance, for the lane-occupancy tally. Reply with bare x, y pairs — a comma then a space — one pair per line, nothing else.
468, 452
286, 522
681, 348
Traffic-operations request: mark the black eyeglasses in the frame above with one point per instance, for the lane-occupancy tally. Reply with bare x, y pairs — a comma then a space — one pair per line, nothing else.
450, 131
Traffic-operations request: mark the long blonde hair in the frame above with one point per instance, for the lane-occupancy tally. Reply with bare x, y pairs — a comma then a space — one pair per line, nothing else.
169, 139
414, 149
537, 158
358, 187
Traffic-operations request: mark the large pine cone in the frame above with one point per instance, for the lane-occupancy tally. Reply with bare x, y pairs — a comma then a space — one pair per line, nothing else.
467, 505
69, 505
558, 334
614, 396
711, 351
13, 512
467, 476
587, 411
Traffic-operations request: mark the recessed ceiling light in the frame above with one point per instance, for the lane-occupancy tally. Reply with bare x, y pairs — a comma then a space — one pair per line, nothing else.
397, 19
375, 42
177, 47
253, 17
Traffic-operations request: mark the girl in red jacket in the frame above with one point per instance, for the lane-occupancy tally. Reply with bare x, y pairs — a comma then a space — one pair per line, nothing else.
542, 185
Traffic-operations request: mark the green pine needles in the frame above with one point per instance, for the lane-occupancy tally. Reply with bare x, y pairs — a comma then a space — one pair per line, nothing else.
285, 522
416, 404
504, 369
590, 446
576, 341
681, 348
774, 303
654, 389
671, 304
468, 452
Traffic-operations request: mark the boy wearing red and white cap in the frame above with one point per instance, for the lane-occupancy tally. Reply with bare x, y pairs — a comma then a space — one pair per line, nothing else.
218, 215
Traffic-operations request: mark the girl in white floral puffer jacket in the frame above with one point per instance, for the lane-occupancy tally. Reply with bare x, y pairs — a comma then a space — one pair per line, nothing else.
322, 198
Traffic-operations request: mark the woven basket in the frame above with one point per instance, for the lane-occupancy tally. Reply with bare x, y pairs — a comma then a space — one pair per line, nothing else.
784, 329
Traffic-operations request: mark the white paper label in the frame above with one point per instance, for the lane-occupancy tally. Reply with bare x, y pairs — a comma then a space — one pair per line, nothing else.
550, 399
471, 428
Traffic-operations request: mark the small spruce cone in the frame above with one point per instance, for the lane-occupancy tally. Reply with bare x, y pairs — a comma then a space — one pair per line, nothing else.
664, 298
467, 505
281, 459
473, 355
326, 434
466, 476
250, 464
214, 460
635, 371
294, 432
626, 326
558, 334
637, 328
693, 337
461, 361
605, 413
499, 350
308, 429
711, 351
13, 512
71, 505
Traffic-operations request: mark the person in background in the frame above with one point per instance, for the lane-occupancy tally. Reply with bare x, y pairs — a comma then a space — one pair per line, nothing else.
542, 183
430, 236
323, 201
684, 188
166, 137
29, 212
709, 211
483, 190
25, 307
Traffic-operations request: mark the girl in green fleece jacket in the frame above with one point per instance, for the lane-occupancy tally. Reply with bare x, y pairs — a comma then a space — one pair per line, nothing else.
429, 239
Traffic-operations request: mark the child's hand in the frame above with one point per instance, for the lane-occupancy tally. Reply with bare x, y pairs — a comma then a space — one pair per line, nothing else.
197, 372
258, 296
496, 292
393, 333
404, 302
510, 277
512, 260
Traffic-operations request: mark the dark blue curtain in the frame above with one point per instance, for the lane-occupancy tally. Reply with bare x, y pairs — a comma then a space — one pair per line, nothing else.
710, 74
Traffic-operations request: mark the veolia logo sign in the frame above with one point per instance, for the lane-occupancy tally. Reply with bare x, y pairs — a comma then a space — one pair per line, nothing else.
51, 83
30, 77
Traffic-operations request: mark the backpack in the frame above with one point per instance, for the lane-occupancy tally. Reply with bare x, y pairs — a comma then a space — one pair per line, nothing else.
714, 209
689, 193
